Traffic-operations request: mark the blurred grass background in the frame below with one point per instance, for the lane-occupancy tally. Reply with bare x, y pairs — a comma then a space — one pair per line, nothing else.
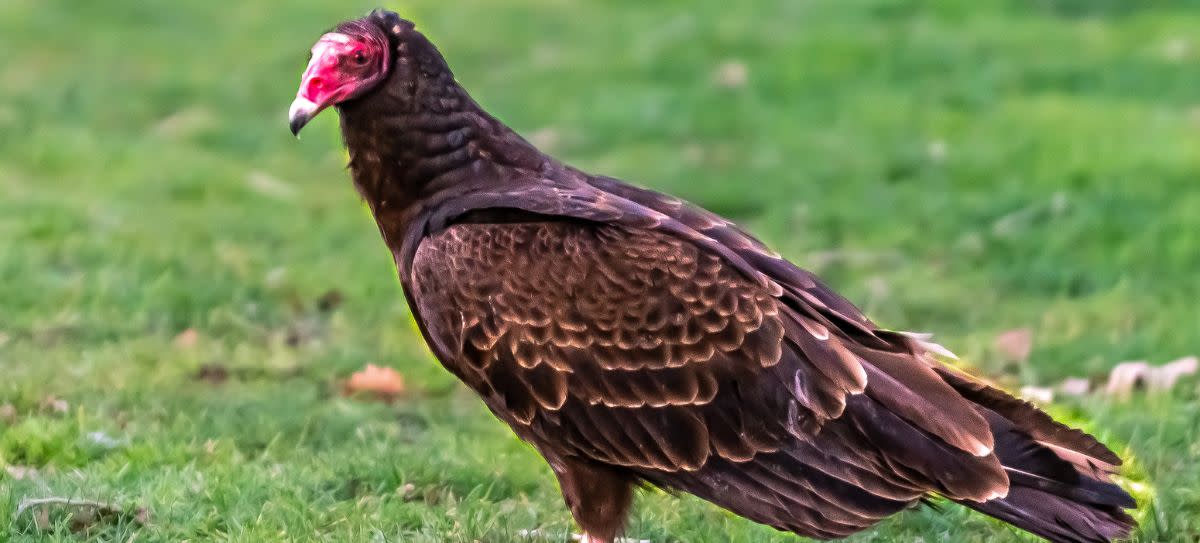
963, 166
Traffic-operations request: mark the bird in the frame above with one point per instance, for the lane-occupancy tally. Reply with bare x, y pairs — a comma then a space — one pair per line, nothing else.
635, 340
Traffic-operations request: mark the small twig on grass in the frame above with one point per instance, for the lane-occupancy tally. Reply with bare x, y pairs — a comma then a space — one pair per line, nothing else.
29, 503
99, 509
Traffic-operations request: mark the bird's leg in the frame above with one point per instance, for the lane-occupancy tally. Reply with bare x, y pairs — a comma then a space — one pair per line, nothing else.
598, 496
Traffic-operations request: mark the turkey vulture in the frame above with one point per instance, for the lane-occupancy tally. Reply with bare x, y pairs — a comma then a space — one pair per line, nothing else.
632, 338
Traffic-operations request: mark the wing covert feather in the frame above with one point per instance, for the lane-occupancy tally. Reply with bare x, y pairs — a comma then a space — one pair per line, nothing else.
592, 322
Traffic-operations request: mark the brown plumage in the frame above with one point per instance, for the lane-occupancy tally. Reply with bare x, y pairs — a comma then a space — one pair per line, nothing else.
633, 338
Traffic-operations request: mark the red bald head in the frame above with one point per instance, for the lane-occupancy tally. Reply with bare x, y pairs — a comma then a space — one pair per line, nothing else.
345, 64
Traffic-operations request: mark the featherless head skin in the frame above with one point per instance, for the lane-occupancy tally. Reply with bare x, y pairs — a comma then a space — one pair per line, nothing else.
347, 62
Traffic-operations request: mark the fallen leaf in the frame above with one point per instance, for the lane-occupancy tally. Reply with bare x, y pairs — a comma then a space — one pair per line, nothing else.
382, 382
1016, 344
187, 338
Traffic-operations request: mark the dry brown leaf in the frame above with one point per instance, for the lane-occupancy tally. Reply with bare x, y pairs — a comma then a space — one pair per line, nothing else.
382, 382
1016, 344
187, 338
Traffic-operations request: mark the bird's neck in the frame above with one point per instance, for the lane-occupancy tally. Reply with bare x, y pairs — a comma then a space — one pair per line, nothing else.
411, 146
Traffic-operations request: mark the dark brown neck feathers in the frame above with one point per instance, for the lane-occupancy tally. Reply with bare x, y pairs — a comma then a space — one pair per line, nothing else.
420, 136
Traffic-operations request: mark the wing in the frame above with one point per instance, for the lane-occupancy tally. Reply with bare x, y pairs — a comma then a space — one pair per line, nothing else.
907, 381
644, 350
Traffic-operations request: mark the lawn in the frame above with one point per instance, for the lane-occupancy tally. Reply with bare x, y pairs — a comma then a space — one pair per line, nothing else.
184, 286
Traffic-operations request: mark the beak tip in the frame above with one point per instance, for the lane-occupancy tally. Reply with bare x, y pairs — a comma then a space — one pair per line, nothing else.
302, 111
295, 125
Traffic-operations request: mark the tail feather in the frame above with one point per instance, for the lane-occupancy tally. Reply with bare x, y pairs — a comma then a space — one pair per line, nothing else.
1057, 518
1059, 478
1029, 418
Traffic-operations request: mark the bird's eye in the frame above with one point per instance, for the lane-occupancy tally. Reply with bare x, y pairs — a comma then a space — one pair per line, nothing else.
359, 58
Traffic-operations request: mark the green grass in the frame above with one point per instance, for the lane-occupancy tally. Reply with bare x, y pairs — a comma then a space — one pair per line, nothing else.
963, 167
